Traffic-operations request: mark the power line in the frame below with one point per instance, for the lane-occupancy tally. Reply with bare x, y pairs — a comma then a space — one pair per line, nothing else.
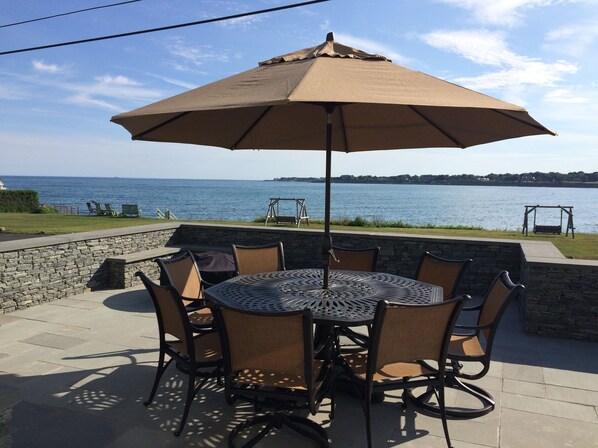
164, 28
68, 13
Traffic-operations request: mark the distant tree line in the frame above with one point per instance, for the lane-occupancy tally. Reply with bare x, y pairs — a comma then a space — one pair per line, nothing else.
573, 179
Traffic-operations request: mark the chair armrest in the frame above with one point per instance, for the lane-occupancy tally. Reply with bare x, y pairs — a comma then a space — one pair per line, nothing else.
474, 328
472, 308
205, 284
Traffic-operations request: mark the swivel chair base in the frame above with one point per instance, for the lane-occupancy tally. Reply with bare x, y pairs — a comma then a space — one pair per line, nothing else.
486, 400
277, 420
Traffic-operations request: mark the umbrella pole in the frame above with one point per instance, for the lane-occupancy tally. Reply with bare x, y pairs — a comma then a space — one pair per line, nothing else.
327, 240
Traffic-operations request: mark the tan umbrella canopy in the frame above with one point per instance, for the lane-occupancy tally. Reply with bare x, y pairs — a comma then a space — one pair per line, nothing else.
333, 98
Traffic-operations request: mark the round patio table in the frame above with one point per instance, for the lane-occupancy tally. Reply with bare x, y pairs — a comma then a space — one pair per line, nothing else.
350, 299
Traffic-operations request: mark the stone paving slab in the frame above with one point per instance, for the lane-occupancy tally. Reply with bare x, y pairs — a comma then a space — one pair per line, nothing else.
526, 429
54, 341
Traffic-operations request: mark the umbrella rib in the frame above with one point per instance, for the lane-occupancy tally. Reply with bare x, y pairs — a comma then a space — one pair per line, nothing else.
538, 127
250, 128
342, 117
158, 126
438, 128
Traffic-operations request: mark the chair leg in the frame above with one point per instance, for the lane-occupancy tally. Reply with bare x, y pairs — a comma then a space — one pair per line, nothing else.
159, 372
188, 400
368, 417
258, 420
299, 425
442, 406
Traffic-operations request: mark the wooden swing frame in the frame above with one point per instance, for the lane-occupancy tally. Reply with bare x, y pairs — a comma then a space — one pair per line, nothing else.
546, 229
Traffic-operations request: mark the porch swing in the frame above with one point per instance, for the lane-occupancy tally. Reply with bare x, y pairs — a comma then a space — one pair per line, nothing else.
297, 218
549, 229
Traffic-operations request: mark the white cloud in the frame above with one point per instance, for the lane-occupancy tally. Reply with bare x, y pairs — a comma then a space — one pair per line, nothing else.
370, 46
242, 22
565, 96
116, 80
501, 12
195, 55
574, 39
41, 66
173, 81
108, 88
11, 93
490, 48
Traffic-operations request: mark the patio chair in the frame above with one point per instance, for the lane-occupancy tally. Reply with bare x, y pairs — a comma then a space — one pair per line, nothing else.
473, 344
100, 211
182, 273
90, 208
363, 259
110, 211
442, 272
404, 339
256, 259
197, 356
355, 259
270, 361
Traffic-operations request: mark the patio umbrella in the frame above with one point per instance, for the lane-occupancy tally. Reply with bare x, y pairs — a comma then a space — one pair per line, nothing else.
334, 98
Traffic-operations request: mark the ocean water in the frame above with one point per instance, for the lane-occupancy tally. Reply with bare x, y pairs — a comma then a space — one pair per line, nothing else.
244, 200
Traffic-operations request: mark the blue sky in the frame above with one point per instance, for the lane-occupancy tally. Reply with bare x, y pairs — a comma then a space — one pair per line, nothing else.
56, 104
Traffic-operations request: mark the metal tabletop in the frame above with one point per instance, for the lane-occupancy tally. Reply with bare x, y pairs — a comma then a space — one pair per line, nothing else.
350, 299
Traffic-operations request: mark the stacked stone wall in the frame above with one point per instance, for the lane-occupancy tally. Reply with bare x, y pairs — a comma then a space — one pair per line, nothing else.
43, 269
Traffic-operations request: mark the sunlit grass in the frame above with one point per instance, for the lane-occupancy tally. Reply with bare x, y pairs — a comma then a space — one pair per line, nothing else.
584, 246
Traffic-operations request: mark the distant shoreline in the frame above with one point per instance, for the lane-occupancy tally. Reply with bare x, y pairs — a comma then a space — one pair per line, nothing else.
462, 184
571, 180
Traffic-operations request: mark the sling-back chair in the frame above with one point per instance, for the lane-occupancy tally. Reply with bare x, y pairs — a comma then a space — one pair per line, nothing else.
269, 360
256, 259
196, 356
363, 259
182, 273
442, 272
404, 339
473, 344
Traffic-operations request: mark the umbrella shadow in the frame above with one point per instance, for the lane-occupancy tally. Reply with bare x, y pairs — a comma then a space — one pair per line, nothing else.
134, 301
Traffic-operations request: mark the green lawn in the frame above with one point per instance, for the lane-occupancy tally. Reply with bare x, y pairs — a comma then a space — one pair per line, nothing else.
584, 246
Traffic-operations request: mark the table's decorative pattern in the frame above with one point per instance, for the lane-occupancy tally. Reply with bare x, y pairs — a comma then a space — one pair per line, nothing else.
350, 299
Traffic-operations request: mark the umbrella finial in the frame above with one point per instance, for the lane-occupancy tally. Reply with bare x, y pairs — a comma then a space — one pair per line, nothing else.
330, 37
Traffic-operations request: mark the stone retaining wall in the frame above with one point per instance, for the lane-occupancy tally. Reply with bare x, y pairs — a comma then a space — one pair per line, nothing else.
39, 270
561, 297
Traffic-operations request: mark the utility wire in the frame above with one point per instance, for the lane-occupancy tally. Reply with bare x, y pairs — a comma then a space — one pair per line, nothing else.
68, 13
170, 27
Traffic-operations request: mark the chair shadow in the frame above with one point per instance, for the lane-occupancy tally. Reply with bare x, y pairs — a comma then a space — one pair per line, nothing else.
103, 406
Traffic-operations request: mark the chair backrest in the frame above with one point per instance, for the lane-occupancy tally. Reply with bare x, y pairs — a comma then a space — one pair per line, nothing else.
182, 273
281, 342
495, 303
171, 314
355, 259
408, 333
99, 207
255, 259
442, 272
